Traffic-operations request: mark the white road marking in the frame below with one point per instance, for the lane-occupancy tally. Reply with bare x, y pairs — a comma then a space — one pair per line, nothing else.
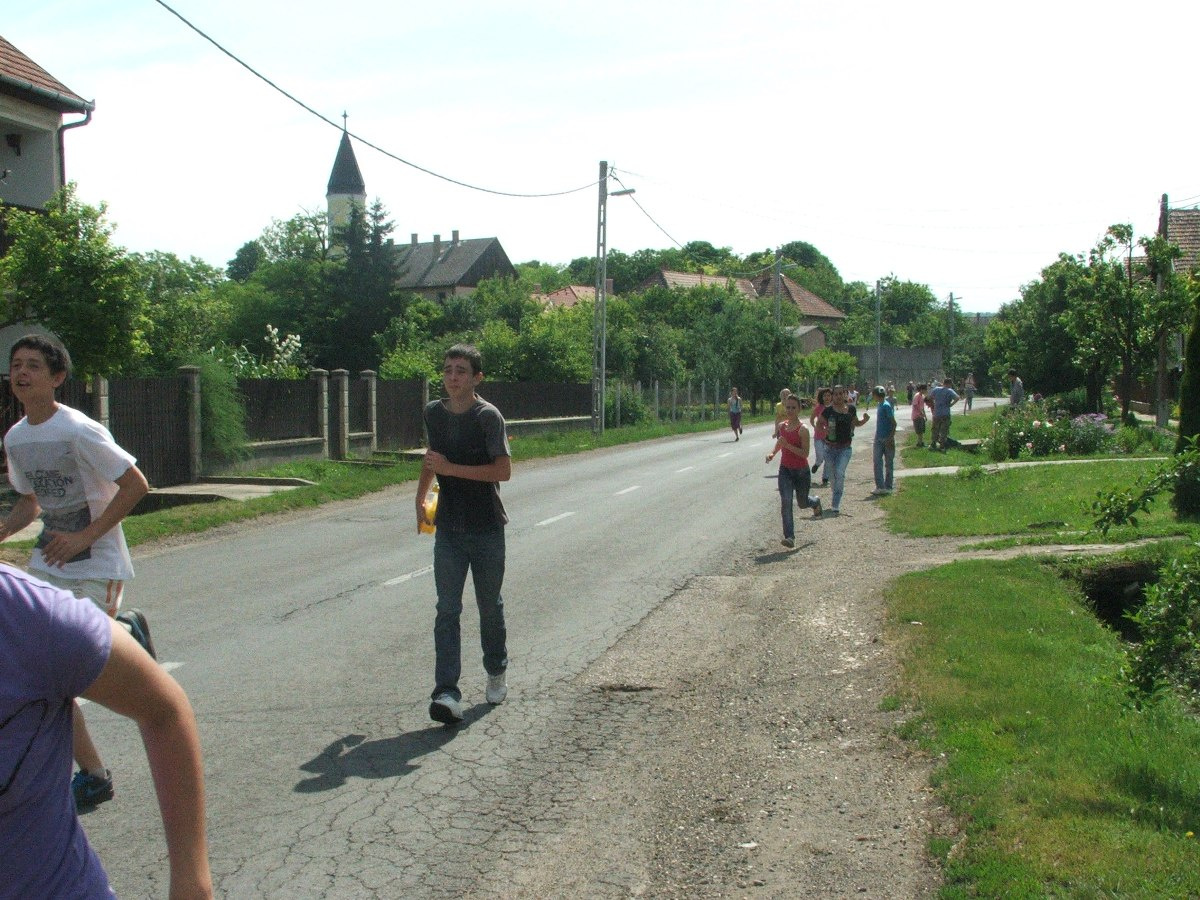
628, 490
684, 469
723, 455
400, 579
553, 519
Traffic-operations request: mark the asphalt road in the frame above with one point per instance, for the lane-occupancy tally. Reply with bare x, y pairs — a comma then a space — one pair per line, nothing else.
306, 648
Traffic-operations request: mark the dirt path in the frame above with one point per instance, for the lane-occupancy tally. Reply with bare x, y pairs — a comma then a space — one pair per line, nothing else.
746, 752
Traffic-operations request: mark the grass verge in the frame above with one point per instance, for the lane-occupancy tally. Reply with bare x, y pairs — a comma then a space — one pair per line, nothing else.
1031, 503
1060, 788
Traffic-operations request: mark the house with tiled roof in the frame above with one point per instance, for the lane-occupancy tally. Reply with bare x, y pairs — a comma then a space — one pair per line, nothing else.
32, 105
1183, 230
568, 296
813, 310
434, 269
440, 269
669, 279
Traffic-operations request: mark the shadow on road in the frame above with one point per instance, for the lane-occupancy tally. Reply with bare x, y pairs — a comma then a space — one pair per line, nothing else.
355, 757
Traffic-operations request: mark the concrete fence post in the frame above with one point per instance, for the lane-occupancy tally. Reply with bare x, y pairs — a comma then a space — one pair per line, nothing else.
372, 381
339, 390
321, 377
191, 388
98, 388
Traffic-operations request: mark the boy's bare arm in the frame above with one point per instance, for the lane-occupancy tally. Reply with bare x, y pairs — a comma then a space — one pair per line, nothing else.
499, 469
66, 545
132, 684
24, 511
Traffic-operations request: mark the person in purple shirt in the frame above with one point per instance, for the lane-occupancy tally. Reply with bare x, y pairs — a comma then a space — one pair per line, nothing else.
55, 647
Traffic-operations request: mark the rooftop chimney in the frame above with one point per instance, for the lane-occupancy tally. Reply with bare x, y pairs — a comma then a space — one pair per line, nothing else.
454, 238
414, 239
437, 245
608, 290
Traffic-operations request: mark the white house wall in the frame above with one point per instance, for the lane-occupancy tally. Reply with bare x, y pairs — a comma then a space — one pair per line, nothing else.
33, 175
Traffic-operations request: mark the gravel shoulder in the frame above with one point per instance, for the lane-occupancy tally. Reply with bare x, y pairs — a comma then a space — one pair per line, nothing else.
736, 744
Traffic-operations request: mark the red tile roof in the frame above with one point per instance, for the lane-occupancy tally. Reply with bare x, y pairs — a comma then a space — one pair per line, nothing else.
667, 278
810, 305
1183, 230
568, 296
20, 75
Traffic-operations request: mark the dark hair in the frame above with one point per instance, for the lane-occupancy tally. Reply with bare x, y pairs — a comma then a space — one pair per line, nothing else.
821, 392
52, 350
470, 353
1012, 371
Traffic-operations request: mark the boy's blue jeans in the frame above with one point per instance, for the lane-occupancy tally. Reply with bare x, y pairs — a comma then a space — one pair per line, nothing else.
883, 455
453, 554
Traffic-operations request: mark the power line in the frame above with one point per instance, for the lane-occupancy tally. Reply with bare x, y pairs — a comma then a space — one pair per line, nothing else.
361, 140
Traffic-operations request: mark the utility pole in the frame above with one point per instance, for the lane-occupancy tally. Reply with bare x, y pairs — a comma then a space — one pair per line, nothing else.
778, 285
878, 351
1162, 406
599, 320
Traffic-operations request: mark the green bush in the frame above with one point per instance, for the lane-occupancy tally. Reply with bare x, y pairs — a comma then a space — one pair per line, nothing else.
633, 406
1168, 653
1034, 430
222, 415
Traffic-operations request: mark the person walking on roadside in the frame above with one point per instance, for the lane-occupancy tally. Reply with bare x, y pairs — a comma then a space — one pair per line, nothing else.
883, 451
735, 413
910, 388
780, 410
469, 455
918, 413
943, 398
54, 647
841, 418
1016, 389
820, 429
969, 391
70, 472
795, 478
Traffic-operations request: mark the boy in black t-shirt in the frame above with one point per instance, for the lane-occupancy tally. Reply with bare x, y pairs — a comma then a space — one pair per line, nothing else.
468, 453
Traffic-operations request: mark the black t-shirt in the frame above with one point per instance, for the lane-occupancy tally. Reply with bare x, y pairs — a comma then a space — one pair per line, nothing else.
841, 425
473, 438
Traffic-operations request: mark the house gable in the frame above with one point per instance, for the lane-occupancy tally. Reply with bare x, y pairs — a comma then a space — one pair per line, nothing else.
1183, 230
669, 279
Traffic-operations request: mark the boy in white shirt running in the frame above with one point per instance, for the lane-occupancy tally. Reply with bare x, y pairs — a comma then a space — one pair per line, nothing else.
69, 470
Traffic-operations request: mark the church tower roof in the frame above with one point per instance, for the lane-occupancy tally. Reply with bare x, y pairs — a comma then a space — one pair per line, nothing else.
346, 177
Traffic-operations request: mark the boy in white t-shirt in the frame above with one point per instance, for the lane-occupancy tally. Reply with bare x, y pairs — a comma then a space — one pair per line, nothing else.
69, 470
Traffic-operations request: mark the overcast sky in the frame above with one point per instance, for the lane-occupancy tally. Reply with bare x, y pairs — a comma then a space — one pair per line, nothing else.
954, 144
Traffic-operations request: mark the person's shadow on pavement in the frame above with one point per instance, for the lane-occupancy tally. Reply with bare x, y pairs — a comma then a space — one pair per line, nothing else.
353, 756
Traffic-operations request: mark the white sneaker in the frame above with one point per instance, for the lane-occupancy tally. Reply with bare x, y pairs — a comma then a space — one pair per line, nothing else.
447, 709
497, 689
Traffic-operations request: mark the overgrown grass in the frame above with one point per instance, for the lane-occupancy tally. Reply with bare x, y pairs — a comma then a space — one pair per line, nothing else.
1027, 501
1059, 786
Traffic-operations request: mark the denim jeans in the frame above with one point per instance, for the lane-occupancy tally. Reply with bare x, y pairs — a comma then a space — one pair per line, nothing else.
819, 455
883, 454
836, 461
793, 483
453, 554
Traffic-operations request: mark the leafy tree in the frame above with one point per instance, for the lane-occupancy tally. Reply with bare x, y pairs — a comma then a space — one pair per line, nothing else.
1186, 499
825, 368
546, 276
1030, 335
64, 271
185, 313
1116, 314
246, 261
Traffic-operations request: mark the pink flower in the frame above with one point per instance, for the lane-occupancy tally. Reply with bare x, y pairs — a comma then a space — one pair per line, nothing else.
1036, 423
1062, 448
1029, 446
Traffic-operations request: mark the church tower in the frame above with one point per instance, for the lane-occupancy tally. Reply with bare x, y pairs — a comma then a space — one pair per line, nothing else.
346, 187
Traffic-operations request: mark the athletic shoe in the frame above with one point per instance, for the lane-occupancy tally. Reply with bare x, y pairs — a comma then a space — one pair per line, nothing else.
91, 790
788, 542
135, 621
497, 689
817, 511
447, 709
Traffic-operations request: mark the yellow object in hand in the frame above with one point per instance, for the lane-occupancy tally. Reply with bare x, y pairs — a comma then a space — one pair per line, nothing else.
429, 524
